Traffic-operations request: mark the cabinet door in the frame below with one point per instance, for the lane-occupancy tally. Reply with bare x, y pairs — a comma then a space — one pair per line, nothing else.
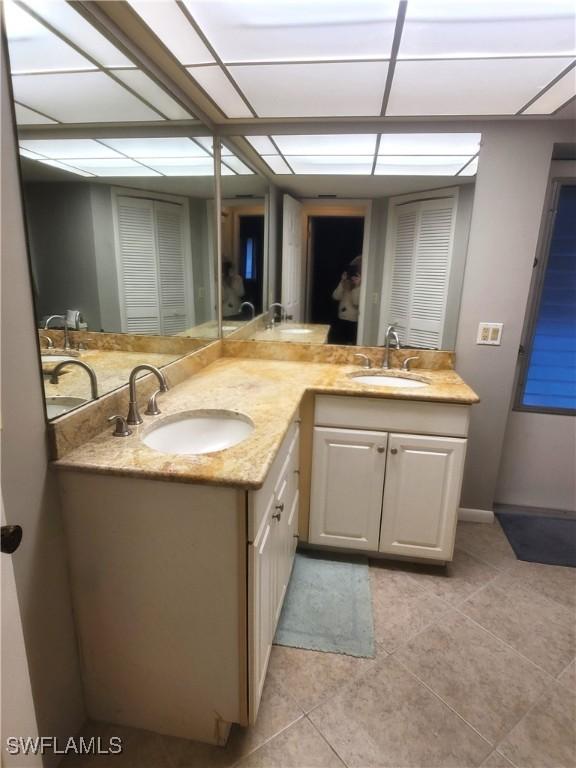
347, 480
421, 495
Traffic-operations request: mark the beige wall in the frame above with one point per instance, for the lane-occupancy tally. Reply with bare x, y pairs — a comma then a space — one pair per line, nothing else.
28, 487
510, 191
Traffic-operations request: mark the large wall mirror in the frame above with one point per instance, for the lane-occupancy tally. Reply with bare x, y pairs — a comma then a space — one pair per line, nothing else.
372, 232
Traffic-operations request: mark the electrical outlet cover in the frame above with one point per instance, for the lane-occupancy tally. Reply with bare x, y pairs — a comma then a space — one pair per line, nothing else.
490, 334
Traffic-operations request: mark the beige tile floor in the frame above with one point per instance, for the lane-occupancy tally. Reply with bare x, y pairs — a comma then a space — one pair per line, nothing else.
475, 666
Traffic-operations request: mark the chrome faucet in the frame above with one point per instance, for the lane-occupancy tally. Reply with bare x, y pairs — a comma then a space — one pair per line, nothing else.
47, 339
272, 314
366, 362
250, 306
66, 334
133, 412
391, 333
88, 368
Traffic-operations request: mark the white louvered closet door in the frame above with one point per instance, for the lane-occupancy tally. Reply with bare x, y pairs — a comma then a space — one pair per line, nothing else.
422, 246
138, 269
172, 273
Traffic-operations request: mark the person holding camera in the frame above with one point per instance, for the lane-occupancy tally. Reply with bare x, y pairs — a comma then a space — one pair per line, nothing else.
347, 293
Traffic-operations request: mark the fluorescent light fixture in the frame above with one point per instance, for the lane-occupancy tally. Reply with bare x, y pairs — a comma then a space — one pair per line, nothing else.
110, 167
64, 167
169, 23
262, 145
31, 155
411, 165
157, 147
238, 166
59, 149
446, 28
471, 169
327, 144
314, 90
469, 86
555, 96
145, 87
337, 164
276, 163
296, 30
180, 166
25, 116
221, 91
429, 143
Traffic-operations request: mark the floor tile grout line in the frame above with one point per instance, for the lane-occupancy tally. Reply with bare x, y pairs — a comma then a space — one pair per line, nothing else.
332, 747
270, 738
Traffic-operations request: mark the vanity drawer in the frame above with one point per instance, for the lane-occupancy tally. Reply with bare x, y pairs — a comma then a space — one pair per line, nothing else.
281, 483
390, 415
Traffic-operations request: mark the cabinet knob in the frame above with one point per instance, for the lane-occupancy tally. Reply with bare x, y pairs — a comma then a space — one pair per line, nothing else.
381, 448
277, 515
394, 451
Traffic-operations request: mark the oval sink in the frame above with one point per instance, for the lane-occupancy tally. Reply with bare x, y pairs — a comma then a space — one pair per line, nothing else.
296, 330
196, 432
382, 380
57, 405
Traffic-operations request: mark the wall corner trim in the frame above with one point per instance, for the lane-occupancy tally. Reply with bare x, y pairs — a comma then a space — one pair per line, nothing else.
467, 515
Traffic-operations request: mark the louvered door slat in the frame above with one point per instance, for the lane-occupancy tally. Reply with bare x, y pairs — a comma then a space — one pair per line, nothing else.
404, 244
172, 267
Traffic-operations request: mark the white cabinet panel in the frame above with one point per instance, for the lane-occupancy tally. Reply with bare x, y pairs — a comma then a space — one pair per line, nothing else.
347, 479
421, 495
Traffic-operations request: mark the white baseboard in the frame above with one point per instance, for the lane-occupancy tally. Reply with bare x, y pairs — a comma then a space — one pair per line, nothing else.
475, 515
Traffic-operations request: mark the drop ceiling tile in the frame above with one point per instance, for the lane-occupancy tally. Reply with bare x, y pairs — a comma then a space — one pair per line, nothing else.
181, 166
169, 23
65, 167
262, 144
80, 97
327, 144
276, 163
144, 86
157, 147
555, 96
238, 166
429, 143
221, 91
111, 167
59, 149
469, 87
292, 30
314, 90
25, 116
336, 164
412, 165
444, 28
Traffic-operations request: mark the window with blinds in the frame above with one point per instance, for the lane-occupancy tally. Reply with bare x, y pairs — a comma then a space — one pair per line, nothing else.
548, 382
154, 277
422, 239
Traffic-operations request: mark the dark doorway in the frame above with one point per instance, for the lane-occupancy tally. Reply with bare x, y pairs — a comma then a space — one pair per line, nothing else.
252, 258
335, 241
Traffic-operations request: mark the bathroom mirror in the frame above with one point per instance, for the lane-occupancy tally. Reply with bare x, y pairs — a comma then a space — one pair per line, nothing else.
372, 232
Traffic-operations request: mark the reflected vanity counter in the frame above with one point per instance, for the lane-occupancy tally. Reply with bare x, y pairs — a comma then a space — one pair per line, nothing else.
307, 333
209, 329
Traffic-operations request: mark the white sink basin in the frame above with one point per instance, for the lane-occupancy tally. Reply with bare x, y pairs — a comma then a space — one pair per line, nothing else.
296, 330
197, 432
382, 380
56, 406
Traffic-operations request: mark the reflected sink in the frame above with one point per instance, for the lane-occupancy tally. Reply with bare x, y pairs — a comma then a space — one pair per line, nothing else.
196, 432
55, 359
295, 330
56, 406
384, 380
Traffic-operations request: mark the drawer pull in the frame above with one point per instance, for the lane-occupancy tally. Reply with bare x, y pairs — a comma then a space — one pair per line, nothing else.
381, 448
277, 515
394, 451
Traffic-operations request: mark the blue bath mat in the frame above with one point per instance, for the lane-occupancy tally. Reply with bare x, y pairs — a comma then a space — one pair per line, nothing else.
328, 606
545, 539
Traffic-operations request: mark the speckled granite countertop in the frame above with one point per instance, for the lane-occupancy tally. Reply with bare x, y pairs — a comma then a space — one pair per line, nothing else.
305, 333
269, 392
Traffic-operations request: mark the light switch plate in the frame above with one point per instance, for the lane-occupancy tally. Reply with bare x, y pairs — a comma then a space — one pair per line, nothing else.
490, 334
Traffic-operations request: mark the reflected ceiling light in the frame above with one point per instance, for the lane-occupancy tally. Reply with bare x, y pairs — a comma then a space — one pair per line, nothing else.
555, 96
180, 166
328, 144
277, 164
471, 169
63, 167
58, 149
429, 143
323, 164
156, 147
411, 165
262, 144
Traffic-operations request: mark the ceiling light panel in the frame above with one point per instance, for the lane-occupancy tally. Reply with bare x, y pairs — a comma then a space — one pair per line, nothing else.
238, 166
296, 30
25, 116
156, 147
469, 87
411, 165
110, 167
64, 167
62, 16
221, 91
206, 142
471, 169
336, 164
276, 163
329, 144
81, 97
555, 96
444, 28
314, 90
180, 166
33, 48
154, 95
170, 24
429, 143
262, 144
59, 149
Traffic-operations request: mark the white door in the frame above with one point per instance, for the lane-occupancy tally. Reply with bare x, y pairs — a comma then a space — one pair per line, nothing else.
421, 495
292, 270
347, 480
421, 243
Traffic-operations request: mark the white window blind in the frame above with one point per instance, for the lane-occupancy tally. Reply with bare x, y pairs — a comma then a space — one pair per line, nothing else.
155, 283
422, 242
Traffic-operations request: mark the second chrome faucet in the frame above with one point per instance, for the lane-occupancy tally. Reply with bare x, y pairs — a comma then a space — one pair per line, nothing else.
134, 416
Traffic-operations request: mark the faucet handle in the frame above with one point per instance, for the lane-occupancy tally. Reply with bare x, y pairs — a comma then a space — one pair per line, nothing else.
367, 362
121, 429
152, 407
407, 361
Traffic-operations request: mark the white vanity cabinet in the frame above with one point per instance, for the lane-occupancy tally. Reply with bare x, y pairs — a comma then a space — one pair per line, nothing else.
177, 590
393, 488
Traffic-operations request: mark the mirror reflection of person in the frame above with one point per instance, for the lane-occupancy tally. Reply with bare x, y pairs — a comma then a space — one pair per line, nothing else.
232, 290
347, 293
